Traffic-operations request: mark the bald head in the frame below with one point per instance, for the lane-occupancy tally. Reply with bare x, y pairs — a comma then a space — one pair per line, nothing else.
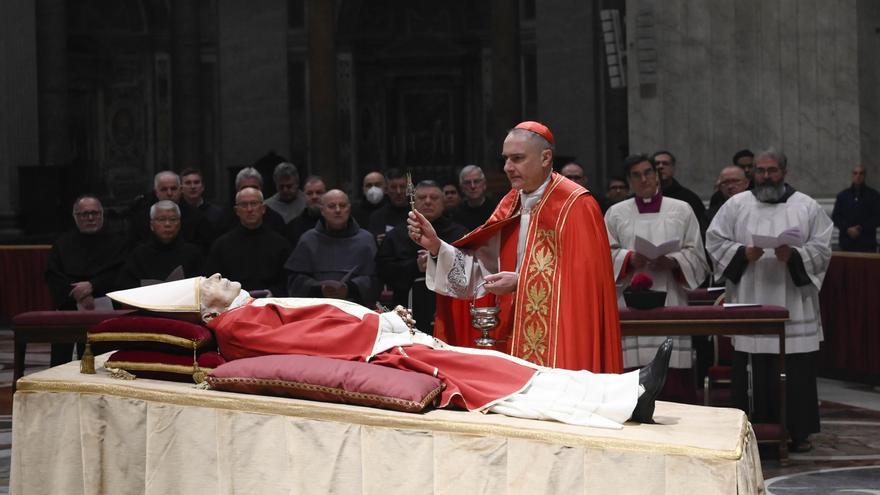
335, 209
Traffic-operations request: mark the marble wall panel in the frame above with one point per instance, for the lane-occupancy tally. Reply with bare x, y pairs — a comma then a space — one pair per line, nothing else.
252, 54
752, 73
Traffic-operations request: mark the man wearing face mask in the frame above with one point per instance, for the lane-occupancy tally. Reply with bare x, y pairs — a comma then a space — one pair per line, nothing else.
387, 217
373, 198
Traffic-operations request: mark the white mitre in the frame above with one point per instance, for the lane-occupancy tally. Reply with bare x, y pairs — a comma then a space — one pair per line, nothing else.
180, 296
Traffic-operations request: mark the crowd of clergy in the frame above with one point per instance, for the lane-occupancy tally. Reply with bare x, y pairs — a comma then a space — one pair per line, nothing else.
310, 239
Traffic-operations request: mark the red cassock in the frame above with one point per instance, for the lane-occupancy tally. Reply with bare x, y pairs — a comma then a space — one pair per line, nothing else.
472, 381
564, 312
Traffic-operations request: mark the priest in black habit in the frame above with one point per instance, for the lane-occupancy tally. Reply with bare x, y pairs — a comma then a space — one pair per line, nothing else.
83, 264
251, 253
164, 254
395, 211
402, 262
313, 189
336, 258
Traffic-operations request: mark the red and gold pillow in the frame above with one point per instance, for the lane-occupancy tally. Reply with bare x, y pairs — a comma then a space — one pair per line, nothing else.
329, 380
164, 365
150, 333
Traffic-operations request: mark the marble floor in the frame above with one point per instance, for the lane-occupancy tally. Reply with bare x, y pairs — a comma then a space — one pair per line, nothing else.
845, 458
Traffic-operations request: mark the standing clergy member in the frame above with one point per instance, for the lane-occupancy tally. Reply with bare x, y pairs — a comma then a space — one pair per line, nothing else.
653, 217
544, 254
788, 275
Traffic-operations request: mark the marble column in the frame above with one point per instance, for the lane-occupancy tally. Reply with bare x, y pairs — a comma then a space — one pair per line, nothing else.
567, 73
506, 105
254, 104
185, 86
52, 66
322, 89
19, 126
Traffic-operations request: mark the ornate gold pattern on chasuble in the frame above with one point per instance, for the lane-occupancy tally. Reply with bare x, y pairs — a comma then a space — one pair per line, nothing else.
538, 289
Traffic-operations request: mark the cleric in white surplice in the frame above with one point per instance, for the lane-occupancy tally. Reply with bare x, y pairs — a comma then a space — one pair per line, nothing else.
658, 219
789, 275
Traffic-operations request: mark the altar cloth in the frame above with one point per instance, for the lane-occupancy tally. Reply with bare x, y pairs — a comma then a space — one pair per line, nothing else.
87, 434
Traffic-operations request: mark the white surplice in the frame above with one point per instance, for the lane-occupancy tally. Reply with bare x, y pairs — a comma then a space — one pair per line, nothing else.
676, 220
767, 280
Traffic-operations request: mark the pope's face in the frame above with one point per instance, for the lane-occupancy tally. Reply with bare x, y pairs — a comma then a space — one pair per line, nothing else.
217, 293
525, 163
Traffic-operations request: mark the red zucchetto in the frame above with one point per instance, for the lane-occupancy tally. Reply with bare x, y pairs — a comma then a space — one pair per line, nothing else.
538, 128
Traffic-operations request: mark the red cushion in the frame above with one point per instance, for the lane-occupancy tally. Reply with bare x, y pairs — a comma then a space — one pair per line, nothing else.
69, 318
162, 365
149, 333
329, 380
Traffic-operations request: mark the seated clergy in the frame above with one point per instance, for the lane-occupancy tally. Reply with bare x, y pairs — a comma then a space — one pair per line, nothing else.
251, 251
83, 264
402, 263
652, 216
332, 328
165, 253
336, 258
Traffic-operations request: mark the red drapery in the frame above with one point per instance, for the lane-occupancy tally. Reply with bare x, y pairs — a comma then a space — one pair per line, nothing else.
22, 286
850, 304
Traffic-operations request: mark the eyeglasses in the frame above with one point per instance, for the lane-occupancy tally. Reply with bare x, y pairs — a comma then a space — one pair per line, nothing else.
647, 174
767, 171
88, 214
249, 205
166, 219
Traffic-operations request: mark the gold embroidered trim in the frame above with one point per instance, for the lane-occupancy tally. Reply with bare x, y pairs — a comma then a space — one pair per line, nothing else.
538, 289
159, 367
146, 337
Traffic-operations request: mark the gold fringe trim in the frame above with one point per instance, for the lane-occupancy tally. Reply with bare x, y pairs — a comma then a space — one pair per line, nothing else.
158, 367
366, 416
146, 337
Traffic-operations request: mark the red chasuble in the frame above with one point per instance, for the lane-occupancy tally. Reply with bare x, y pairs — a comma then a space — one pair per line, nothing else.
564, 312
472, 381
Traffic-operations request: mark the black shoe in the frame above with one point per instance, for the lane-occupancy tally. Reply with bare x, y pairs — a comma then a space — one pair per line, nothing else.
652, 377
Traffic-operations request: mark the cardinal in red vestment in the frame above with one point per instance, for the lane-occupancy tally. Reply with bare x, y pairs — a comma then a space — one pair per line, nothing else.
542, 257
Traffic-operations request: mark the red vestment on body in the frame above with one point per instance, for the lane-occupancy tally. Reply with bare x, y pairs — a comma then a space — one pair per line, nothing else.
472, 381
564, 312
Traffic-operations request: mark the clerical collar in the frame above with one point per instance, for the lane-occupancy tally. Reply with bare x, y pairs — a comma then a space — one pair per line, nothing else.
649, 205
529, 200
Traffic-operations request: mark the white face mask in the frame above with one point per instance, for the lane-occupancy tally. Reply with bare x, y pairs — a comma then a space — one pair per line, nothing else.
374, 195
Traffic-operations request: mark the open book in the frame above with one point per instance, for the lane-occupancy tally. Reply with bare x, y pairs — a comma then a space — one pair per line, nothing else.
791, 237
652, 251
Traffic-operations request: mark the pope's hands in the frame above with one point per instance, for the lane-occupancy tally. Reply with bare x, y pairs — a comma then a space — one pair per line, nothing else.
422, 232
501, 282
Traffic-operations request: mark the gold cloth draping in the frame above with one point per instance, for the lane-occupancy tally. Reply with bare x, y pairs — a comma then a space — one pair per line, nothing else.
91, 434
